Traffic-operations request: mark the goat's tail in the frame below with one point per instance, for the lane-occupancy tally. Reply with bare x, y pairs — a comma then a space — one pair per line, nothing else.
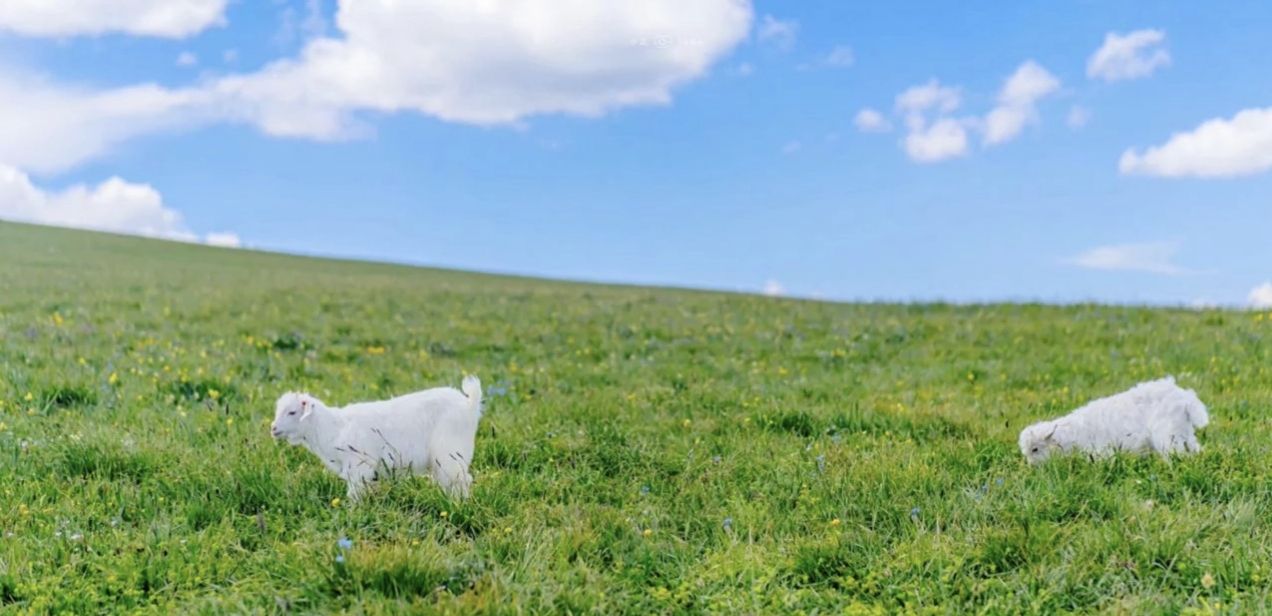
472, 388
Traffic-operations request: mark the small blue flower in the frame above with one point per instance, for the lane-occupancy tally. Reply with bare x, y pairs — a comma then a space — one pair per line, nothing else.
998, 481
821, 463
728, 524
716, 459
340, 559
644, 490
344, 543
914, 513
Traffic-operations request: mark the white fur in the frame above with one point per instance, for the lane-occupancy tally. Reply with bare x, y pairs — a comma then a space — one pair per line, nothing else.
428, 432
1156, 416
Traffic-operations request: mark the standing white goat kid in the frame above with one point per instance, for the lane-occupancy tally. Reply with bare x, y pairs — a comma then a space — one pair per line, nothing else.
427, 432
1156, 416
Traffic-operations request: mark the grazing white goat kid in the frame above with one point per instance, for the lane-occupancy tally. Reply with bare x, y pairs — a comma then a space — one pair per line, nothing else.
1155, 416
428, 432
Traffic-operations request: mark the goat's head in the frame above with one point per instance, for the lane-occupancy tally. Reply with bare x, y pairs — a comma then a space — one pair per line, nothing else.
1038, 442
291, 413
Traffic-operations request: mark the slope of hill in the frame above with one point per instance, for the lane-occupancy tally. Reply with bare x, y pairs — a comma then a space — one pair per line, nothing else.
643, 450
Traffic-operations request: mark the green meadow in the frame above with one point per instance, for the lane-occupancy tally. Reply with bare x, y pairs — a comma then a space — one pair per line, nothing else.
643, 450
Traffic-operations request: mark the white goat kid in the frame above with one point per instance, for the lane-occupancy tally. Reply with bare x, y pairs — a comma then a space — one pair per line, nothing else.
428, 432
1156, 416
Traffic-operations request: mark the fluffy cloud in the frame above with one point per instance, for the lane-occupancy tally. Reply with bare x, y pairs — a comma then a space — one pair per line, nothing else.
1219, 148
1261, 296
773, 288
159, 18
469, 62
777, 32
871, 121
1017, 102
45, 127
113, 205
1129, 56
931, 95
934, 134
479, 63
932, 139
943, 139
1151, 257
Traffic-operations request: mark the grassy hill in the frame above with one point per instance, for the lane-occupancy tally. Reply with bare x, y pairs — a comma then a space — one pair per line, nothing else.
643, 451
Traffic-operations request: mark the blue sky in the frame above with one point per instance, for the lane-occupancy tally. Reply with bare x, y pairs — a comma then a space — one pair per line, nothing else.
1057, 151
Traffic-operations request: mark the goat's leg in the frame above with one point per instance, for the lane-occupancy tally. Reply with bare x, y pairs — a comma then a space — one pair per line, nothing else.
358, 477
450, 471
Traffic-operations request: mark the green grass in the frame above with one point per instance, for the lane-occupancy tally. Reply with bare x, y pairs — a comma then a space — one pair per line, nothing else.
643, 451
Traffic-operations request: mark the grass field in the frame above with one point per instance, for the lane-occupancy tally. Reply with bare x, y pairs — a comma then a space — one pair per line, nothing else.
643, 450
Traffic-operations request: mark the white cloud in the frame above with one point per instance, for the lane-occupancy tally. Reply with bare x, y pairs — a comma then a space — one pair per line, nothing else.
944, 139
1261, 296
1078, 117
1027, 85
223, 239
1151, 257
467, 62
158, 18
871, 121
187, 59
791, 147
931, 95
113, 205
777, 32
937, 139
1017, 102
1218, 148
934, 134
45, 127
463, 62
841, 56
1129, 56
773, 288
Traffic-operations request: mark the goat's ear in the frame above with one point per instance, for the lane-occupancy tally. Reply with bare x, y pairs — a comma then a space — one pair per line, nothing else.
306, 407
1050, 437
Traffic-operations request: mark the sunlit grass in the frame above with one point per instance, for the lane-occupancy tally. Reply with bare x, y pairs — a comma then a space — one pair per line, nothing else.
643, 450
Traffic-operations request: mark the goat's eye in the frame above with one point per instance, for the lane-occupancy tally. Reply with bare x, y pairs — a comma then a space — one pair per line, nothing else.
1035, 450
294, 412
